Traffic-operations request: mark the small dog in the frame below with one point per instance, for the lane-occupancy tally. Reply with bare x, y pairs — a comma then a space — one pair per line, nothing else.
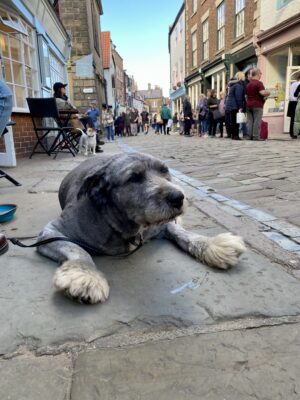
88, 141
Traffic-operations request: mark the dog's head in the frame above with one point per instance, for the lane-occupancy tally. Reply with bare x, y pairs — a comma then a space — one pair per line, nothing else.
138, 186
91, 132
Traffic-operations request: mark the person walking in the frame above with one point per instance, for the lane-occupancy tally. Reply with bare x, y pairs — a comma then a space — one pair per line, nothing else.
187, 115
212, 104
165, 115
235, 102
145, 120
108, 123
255, 98
293, 100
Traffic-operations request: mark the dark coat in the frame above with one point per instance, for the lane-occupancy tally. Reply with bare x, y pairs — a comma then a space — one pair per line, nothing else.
236, 97
187, 109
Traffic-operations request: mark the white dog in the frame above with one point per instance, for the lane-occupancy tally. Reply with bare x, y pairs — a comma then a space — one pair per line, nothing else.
88, 141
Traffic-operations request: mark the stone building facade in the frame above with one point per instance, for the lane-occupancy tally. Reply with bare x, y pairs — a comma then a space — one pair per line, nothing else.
85, 69
219, 42
119, 79
153, 98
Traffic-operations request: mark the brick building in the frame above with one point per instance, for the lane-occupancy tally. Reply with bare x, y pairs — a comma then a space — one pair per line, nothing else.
153, 98
219, 42
34, 49
119, 81
85, 69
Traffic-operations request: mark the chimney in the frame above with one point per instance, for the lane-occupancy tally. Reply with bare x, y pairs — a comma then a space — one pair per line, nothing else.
149, 86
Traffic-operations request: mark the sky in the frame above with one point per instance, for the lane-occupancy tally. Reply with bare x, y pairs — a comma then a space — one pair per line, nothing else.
139, 29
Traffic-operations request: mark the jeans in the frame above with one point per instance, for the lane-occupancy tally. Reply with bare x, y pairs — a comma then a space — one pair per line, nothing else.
110, 133
212, 127
203, 125
254, 122
165, 122
134, 127
6, 104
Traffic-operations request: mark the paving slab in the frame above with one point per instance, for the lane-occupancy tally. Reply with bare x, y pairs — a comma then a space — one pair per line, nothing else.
258, 364
33, 378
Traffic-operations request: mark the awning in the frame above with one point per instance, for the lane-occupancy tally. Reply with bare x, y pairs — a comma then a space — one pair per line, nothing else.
178, 93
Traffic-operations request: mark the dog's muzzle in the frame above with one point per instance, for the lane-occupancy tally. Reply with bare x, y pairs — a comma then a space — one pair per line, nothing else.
175, 199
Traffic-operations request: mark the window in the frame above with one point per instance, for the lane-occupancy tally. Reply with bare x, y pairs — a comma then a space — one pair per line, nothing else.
239, 17
194, 49
19, 60
194, 6
221, 26
205, 39
282, 3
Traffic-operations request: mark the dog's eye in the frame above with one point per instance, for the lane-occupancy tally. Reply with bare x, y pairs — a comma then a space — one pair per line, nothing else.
164, 169
137, 177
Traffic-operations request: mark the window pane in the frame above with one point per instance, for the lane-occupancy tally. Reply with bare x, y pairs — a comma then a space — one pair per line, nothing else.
7, 70
26, 54
15, 49
18, 73
28, 74
296, 55
4, 45
20, 96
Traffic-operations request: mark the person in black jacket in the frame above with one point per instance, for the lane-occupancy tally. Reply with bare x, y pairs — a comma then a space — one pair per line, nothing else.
235, 102
188, 116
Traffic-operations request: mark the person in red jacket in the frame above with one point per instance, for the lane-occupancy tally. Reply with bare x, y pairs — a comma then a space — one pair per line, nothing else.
255, 95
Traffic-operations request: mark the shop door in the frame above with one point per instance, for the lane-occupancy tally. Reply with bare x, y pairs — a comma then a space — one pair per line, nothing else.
290, 78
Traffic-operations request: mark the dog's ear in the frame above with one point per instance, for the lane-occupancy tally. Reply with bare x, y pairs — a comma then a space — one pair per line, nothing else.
96, 187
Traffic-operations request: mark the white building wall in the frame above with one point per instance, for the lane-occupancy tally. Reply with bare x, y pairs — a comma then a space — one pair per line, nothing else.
177, 52
275, 11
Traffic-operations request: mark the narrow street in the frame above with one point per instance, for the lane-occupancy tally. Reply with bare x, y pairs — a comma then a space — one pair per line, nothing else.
172, 328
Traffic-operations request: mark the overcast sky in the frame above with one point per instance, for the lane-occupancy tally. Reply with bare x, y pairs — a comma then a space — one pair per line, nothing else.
139, 29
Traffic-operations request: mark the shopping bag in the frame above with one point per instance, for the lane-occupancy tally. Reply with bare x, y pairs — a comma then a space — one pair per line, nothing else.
241, 118
264, 130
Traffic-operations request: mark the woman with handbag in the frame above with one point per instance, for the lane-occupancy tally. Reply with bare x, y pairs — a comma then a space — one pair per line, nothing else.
235, 102
202, 115
213, 114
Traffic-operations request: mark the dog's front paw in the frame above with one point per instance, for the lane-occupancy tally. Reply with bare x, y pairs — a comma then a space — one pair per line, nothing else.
221, 251
81, 283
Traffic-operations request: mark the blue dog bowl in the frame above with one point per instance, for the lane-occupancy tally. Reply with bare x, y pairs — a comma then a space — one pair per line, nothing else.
7, 211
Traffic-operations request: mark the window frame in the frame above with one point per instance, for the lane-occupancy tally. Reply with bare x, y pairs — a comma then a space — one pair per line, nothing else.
194, 49
221, 15
239, 19
194, 6
205, 39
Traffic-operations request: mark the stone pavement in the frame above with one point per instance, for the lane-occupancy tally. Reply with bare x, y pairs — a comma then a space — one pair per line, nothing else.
171, 329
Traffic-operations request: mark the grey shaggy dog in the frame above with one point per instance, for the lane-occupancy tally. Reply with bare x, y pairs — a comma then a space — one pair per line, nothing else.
113, 204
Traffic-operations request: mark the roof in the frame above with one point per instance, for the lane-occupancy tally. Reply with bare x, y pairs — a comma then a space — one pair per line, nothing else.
106, 49
150, 94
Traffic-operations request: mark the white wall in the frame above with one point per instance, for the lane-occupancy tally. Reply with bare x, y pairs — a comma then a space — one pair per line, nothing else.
177, 51
272, 16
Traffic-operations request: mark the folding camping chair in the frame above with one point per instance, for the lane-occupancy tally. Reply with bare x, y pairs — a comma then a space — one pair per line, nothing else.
64, 140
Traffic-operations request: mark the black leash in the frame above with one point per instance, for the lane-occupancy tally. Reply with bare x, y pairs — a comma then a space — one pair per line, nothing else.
90, 249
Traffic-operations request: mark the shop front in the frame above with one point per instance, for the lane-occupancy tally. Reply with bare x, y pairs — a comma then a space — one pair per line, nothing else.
215, 76
243, 60
177, 98
194, 88
279, 61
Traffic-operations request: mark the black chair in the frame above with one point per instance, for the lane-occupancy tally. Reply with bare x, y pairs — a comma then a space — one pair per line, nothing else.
64, 140
2, 173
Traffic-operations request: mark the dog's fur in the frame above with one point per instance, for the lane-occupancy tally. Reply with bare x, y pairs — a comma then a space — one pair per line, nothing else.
109, 204
88, 142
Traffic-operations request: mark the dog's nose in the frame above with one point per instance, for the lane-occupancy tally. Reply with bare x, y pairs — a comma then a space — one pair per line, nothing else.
175, 199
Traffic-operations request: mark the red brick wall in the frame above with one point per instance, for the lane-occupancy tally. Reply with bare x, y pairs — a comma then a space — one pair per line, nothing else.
24, 136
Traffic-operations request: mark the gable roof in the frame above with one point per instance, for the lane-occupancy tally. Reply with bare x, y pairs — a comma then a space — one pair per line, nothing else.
106, 49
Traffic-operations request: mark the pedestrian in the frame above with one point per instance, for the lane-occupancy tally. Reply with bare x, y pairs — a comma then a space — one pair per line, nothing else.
202, 115
296, 131
169, 125
175, 122
120, 125
235, 102
212, 104
159, 124
6, 105
221, 120
165, 115
293, 99
187, 115
93, 114
127, 123
108, 123
145, 120
134, 116
255, 97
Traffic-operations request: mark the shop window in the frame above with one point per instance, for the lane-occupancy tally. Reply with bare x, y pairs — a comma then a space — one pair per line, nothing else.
221, 26
18, 55
194, 49
275, 79
282, 3
296, 56
205, 39
239, 17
